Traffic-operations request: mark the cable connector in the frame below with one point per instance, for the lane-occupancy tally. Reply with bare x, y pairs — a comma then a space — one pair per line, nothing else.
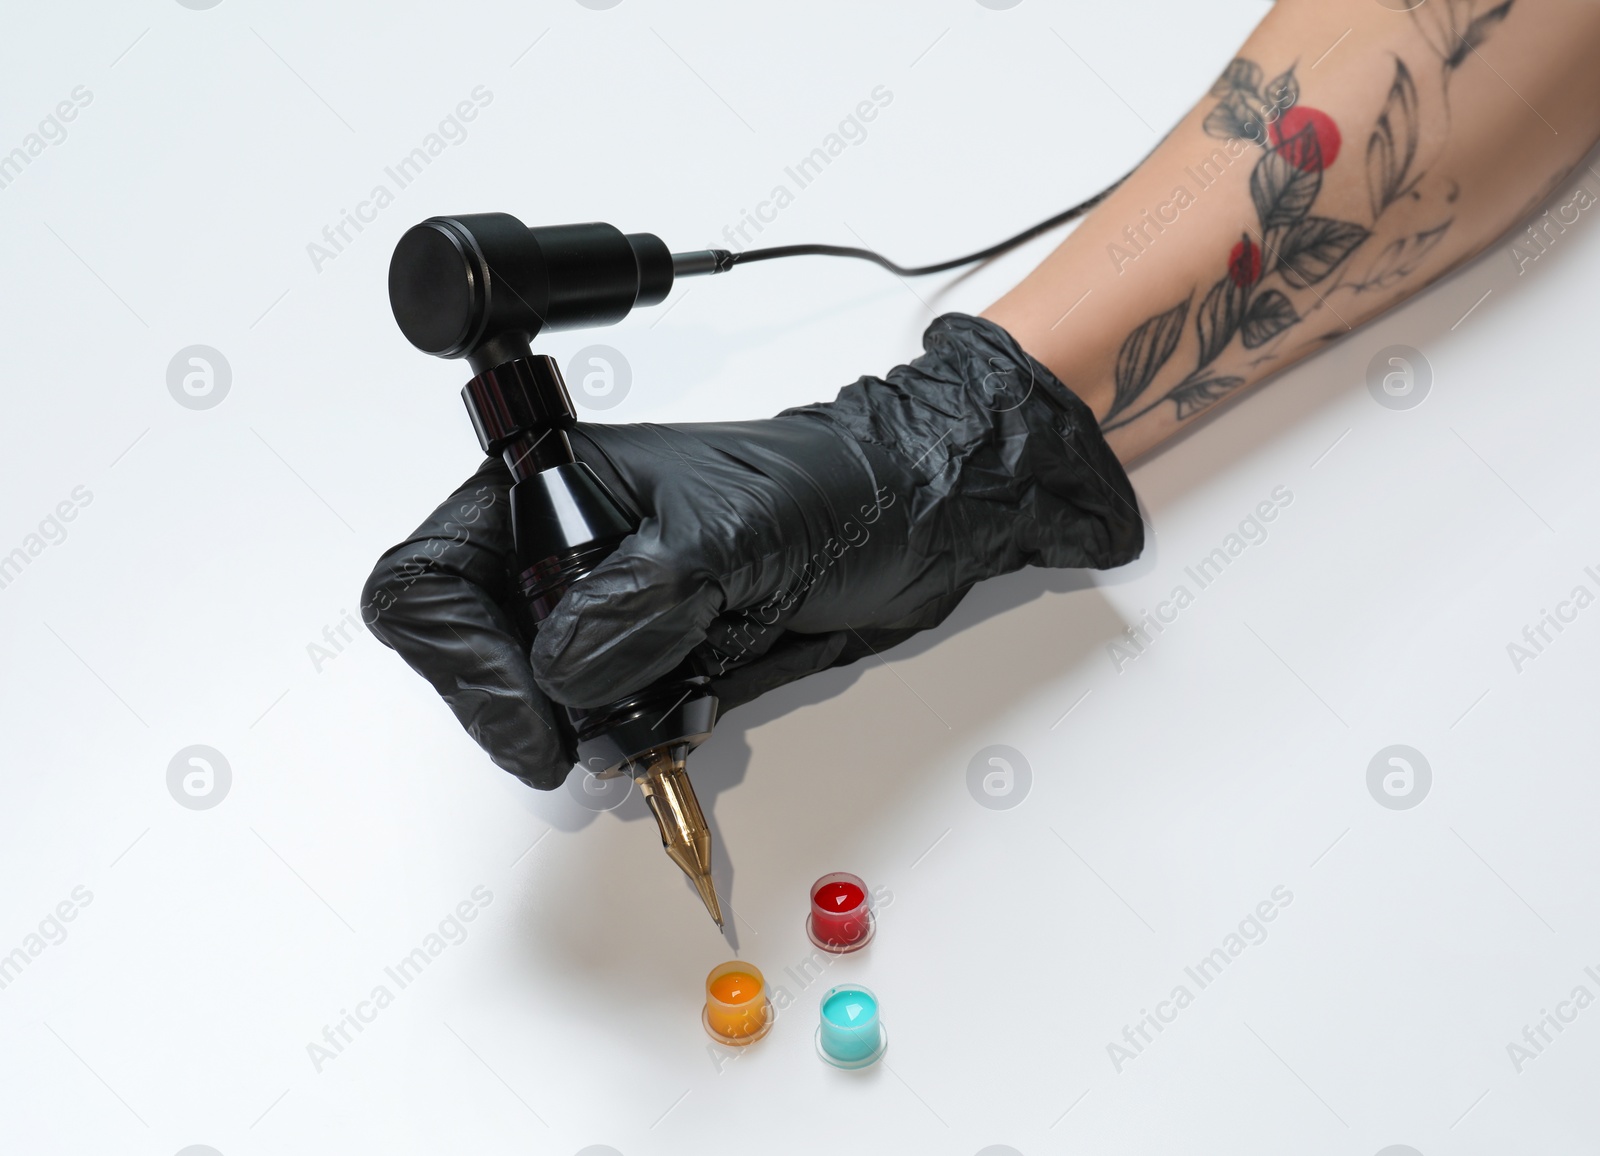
702, 262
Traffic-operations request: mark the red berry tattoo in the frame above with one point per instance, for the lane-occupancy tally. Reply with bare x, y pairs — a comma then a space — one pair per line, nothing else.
1244, 264
1292, 123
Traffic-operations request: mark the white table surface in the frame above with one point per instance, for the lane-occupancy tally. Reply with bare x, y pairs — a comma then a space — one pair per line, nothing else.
210, 547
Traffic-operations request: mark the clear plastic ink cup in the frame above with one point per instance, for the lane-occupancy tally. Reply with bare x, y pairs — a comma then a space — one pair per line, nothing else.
851, 1035
737, 1011
841, 917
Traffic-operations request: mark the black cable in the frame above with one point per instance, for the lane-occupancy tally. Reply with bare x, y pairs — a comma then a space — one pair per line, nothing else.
776, 251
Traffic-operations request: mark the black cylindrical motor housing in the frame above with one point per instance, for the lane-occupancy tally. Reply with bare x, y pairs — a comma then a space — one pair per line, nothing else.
564, 524
482, 285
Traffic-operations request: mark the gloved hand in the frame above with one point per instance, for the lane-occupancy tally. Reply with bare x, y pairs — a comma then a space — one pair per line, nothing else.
768, 550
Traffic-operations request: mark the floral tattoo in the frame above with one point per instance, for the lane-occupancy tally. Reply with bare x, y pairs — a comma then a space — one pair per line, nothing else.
1292, 248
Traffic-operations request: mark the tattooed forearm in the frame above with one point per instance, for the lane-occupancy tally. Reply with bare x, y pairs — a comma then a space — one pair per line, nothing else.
1349, 157
1282, 269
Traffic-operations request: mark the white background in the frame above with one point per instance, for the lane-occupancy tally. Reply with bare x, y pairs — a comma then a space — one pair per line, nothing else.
1228, 760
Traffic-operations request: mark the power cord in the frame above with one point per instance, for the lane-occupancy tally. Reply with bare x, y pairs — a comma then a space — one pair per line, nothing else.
721, 260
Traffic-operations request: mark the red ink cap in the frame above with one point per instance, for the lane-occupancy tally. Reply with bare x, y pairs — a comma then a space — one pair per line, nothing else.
841, 917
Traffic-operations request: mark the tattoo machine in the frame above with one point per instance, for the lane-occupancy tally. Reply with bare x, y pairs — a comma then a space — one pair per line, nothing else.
482, 286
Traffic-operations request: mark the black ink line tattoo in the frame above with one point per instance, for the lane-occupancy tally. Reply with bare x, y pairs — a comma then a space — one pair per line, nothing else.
1454, 29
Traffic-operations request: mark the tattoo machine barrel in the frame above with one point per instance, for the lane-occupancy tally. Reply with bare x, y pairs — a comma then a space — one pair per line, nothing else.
482, 286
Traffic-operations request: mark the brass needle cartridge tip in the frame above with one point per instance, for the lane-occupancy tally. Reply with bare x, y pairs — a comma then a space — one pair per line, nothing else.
684, 835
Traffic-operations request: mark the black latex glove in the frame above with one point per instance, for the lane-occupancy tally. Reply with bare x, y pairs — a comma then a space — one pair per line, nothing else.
769, 549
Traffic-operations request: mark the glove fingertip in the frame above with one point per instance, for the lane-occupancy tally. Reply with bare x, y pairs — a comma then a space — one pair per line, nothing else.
517, 730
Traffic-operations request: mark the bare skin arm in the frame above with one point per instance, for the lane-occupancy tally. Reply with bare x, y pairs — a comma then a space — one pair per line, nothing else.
1349, 156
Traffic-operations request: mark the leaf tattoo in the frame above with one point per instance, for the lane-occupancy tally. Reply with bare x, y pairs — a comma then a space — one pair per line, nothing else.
1246, 108
1217, 319
1287, 179
1284, 89
1438, 21
1403, 257
1452, 31
1421, 245
1193, 396
1145, 351
1475, 34
1240, 74
1238, 116
1270, 314
1315, 247
1393, 144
